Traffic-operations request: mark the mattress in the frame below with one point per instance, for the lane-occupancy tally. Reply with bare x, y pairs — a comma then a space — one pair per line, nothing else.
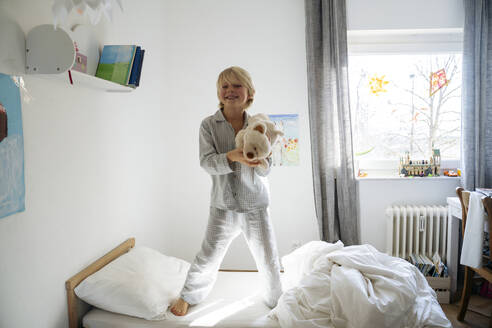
235, 301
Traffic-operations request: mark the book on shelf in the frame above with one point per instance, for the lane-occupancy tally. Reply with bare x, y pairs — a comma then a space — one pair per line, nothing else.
140, 68
121, 64
116, 63
133, 73
137, 68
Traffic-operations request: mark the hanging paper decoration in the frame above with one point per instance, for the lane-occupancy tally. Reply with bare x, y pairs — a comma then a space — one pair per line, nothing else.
94, 9
377, 84
19, 82
437, 81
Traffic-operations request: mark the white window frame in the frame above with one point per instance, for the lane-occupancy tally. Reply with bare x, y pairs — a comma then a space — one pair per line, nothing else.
383, 42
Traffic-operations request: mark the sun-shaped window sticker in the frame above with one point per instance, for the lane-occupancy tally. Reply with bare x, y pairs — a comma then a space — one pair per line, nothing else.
377, 84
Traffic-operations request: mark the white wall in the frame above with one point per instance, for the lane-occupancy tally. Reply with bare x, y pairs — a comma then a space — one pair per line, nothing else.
377, 194
102, 167
401, 14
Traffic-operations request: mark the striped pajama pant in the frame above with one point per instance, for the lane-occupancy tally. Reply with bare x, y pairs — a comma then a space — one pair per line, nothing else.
223, 227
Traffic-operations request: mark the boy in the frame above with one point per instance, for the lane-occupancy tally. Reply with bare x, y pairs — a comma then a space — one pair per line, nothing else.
239, 199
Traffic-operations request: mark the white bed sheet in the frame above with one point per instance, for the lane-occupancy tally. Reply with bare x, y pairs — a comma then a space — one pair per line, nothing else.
235, 301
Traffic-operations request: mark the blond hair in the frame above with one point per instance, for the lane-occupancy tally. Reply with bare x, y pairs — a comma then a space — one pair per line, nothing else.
233, 75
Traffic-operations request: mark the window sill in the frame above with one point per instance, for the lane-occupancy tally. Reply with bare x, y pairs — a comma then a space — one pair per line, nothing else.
392, 177
388, 170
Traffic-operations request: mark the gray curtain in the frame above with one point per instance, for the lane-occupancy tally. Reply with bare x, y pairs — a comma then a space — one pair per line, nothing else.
335, 190
476, 117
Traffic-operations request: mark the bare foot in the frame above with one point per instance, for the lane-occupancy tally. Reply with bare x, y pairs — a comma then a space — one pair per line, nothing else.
180, 308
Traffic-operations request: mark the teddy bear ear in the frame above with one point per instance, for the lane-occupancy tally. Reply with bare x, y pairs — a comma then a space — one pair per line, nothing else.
260, 127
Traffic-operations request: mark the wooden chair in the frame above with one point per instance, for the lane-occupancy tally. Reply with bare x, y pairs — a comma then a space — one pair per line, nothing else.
484, 272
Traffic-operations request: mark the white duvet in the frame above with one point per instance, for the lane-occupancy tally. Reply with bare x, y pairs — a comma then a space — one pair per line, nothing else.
329, 285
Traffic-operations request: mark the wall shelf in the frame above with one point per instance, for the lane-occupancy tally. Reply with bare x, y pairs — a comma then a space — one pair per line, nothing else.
90, 81
87, 81
46, 52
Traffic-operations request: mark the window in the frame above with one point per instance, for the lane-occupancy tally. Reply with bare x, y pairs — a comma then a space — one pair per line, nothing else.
393, 110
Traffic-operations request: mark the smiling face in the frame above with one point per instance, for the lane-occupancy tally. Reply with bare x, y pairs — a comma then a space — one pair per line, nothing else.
233, 94
234, 88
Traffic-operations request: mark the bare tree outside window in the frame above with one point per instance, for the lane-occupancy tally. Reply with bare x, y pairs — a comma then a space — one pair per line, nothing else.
394, 112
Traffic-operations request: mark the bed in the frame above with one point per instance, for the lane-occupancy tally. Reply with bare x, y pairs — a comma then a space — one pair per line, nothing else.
230, 304
325, 285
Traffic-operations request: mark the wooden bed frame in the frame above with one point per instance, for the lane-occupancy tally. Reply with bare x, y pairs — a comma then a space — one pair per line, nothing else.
78, 308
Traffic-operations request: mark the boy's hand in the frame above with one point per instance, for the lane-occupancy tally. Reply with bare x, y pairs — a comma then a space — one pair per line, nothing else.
236, 155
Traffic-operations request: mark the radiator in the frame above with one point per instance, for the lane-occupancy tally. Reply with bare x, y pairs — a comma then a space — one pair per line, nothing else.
416, 230
420, 230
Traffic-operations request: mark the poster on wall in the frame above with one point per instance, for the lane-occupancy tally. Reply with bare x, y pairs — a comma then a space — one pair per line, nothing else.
286, 151
12, 189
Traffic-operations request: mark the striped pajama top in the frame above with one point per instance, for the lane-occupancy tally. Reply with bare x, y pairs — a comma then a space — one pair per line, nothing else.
235, 186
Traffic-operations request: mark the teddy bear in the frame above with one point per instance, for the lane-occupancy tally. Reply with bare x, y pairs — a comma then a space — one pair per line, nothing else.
257, 139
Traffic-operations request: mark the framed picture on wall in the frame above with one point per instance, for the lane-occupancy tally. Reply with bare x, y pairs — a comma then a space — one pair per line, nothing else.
286, 151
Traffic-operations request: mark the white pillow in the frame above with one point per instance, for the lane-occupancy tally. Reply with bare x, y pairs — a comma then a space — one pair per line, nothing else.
141, 283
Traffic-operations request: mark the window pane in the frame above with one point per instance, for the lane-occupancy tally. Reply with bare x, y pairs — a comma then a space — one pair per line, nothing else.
394, 112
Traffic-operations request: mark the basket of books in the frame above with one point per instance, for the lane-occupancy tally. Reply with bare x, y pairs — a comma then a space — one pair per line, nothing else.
436, 273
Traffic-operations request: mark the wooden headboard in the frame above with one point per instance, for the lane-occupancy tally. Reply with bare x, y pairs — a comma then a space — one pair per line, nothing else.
76, 307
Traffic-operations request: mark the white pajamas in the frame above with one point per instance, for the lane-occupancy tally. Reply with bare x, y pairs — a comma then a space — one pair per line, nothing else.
238, 203
223, 227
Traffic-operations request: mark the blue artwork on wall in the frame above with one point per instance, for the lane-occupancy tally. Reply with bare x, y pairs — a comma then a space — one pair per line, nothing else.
12, 188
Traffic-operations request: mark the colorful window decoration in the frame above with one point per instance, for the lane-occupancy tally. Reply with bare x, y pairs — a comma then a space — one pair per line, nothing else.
377, 84
437, 81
